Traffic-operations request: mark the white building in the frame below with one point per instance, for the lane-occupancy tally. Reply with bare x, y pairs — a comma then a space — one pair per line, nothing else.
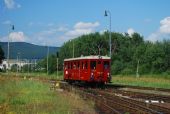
19, 63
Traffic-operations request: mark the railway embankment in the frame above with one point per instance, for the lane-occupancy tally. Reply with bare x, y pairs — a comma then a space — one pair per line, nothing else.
124, 99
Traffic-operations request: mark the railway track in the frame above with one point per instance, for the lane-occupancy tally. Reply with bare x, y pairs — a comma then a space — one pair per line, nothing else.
146, 97
128, 104
136, 87
116, 101
120, 105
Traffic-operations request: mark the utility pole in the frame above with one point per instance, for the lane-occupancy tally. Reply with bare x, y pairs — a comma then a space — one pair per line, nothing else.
28, 65
57, 65
8, 49
110, 23
30, 62
110, 40
137, 70
73, 48
35, 63
20, 61
17, 63
47, 58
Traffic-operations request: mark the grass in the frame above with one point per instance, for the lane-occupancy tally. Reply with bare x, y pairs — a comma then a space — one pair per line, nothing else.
36, 74
144, 81
33, 97
157, 81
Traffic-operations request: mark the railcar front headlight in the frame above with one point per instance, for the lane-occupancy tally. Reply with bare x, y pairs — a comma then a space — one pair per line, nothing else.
66, 72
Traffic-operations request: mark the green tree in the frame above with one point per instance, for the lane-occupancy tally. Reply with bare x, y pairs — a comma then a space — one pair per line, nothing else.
1, 55
14, 68
127, 50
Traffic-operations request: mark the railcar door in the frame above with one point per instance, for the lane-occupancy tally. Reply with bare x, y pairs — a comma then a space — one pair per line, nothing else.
99, 70
78, 70
84, 70
65, 71
106, 70
92, 70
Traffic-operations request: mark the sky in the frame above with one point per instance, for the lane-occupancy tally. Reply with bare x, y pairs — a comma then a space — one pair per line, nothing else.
53, 22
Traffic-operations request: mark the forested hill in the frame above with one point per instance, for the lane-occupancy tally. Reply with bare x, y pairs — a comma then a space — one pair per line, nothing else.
27, 50
126, 52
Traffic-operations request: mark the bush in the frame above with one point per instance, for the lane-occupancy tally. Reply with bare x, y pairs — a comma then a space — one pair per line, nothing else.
14, 67
127, 71
144, 69
117, 67
168, 71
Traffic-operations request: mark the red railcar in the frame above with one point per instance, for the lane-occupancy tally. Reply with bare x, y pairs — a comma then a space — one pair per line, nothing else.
88, 69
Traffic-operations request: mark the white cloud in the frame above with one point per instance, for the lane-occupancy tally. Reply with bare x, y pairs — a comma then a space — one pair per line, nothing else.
148, 20
48, 32
48, 37
63, 33
103, 31
130, 31
165, 25
52, 31
154, 37
7, 22
83, 25
53, 36
18, 6
10, 4
82, 28
158, 36
78, 32
37, 24
50, 24
30, 24
62, 29
163, 32
17, 36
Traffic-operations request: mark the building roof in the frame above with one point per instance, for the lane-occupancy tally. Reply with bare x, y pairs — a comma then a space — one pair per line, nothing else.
87, 57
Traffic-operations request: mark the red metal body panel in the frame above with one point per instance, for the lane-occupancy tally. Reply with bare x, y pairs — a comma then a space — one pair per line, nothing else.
89, 69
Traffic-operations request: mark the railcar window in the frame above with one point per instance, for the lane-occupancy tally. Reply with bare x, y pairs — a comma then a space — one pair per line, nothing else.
68, 65
93, 64
86, 64
78, 65
74, 65
71, 65
82, 65
106, 64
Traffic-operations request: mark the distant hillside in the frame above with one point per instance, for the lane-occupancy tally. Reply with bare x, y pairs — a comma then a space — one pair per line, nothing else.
27, 50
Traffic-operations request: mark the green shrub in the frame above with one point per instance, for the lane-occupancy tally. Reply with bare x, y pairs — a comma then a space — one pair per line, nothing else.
127, 71
117, 67
144, 69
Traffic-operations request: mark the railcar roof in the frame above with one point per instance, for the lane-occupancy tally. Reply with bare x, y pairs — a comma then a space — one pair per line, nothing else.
87, 57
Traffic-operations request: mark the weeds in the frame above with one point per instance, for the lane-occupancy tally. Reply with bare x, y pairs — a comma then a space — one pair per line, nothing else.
33, 97
145, 81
